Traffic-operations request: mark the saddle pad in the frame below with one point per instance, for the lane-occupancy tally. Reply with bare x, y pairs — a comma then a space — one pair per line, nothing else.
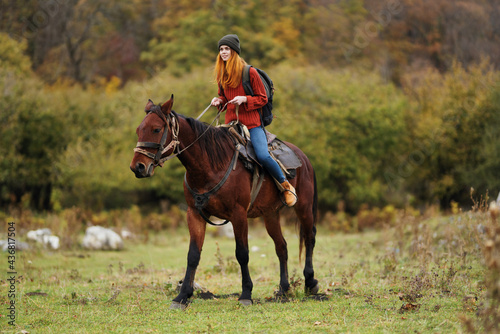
278, 149
270, 137
284, 154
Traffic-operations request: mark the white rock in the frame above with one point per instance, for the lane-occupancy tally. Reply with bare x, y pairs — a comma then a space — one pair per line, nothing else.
45, 237
51, 240
37, 235
4, 245
126, 234
226, 231
100, 238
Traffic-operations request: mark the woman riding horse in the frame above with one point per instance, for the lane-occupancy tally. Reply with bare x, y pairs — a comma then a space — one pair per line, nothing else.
217, 184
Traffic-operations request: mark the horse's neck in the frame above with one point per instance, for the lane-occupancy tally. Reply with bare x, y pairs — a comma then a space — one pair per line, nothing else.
198, 168
192, 158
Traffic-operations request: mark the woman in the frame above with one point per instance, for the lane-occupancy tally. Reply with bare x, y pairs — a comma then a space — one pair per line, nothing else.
228, 74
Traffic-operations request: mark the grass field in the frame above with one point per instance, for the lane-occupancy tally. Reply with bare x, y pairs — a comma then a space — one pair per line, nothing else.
418, 276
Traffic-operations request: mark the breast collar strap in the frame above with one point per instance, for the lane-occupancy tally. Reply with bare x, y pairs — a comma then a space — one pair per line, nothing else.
201, 200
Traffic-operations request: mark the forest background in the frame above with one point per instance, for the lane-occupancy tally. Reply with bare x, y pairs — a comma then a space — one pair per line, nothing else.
396, 102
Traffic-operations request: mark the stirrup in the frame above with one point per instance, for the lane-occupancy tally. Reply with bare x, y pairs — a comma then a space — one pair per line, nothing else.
283, 200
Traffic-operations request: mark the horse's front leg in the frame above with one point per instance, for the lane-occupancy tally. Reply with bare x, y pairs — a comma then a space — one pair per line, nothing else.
197, 227
242, 255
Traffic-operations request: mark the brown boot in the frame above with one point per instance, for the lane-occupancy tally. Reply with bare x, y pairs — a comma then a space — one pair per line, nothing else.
289, 193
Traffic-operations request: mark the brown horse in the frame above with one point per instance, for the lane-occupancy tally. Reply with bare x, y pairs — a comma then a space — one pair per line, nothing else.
208, 154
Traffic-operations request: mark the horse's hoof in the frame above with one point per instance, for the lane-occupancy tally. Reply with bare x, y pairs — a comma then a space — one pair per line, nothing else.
313, 291
177, 306
246, 302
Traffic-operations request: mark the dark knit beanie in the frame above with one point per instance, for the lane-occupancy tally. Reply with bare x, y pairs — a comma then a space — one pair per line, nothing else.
232, 41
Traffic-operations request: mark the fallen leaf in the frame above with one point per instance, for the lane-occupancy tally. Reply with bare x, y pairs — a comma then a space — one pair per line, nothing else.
409, 307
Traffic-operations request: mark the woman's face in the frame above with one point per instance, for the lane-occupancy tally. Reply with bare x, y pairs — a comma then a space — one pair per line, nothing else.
225, 52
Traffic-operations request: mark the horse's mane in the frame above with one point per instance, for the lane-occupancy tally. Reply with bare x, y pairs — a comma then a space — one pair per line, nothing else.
216, 142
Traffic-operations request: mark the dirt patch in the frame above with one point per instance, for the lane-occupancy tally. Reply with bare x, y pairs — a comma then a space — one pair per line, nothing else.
36, 294
206, 295
409, 307
320, 297
209, 295
278, 299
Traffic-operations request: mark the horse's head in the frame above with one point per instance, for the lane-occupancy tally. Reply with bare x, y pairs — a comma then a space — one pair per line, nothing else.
157, 138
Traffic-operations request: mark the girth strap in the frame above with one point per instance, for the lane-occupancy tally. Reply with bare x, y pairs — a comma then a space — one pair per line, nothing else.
201, 200
258, 178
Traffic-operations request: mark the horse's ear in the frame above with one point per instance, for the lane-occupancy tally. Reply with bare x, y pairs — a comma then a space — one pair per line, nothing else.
148, 106
167, 106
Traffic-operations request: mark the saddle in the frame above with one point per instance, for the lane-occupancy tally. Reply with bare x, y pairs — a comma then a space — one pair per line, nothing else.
279, 151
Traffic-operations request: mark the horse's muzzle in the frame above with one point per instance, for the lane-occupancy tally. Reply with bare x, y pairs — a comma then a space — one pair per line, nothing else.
141, 170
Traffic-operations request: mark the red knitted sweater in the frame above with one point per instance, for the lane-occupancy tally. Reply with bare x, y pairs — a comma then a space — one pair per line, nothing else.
248, 112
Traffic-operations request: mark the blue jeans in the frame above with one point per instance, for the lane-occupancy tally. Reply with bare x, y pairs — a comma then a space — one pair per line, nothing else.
259, 142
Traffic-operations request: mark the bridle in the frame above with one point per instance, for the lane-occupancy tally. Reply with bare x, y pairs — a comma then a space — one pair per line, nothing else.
172, 124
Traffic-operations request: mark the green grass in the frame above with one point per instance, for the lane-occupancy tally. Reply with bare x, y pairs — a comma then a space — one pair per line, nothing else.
415, 277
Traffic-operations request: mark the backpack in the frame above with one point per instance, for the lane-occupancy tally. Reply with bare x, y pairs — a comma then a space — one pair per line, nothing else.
266, 114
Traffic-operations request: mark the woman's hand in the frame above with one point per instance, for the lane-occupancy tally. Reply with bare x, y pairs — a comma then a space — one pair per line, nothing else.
238, 100
216, 101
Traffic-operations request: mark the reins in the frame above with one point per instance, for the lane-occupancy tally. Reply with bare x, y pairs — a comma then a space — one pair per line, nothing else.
204, 132
174, 122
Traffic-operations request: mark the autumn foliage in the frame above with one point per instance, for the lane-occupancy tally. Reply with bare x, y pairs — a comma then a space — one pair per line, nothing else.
395, 101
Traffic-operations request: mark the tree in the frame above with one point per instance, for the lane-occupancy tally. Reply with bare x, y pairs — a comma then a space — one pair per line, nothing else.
423, 33
351, 125
452, 127
31, 136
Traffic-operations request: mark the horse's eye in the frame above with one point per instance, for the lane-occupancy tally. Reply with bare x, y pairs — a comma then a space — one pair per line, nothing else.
156, 130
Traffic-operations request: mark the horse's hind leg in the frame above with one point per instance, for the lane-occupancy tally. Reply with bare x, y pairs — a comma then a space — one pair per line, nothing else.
274, 230
306, 213
308, 234
197, 228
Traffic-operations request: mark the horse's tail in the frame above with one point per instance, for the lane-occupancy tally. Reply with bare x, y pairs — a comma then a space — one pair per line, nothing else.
315, 217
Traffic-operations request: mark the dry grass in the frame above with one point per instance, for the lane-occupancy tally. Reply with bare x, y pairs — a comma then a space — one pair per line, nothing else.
437, 273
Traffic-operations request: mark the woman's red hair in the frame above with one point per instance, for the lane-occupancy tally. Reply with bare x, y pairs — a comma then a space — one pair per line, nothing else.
228, 74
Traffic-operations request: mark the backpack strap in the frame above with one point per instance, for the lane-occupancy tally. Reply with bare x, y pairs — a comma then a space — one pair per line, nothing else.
247, 86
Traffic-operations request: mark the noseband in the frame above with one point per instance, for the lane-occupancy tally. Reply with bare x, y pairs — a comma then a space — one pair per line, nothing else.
172, 124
